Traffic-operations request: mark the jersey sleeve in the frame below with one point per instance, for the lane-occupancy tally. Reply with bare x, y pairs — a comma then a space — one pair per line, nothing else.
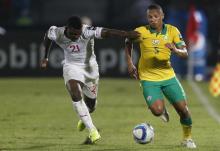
177, 38
93, 32
52, 33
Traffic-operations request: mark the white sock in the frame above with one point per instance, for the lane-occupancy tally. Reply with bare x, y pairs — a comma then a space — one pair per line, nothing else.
84, 114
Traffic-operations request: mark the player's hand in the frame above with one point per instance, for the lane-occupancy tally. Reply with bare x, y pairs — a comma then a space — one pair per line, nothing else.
132, 70
133, 34
171, 46
44, 63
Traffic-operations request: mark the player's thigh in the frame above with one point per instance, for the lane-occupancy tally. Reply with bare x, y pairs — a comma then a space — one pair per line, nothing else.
74, 89
151, 91
88, 77
73, 72
173, 91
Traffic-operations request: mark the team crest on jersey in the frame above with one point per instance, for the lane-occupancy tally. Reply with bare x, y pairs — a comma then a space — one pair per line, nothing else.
165, 37
155, 42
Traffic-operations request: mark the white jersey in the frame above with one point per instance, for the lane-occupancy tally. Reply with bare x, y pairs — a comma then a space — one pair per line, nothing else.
81, 51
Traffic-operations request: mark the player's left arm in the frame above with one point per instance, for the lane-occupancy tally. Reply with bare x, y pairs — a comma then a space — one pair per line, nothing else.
179, 50
178, 45
106, 32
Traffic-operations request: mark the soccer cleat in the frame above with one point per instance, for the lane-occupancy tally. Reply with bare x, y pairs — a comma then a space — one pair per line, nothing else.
94, 136
165, 115
88, 140
188, 143
80, 126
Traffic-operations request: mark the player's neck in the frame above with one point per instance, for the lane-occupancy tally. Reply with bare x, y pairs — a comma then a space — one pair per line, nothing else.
158, 29
65, 33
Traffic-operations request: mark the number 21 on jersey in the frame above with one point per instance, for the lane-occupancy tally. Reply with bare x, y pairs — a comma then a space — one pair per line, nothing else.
74, 48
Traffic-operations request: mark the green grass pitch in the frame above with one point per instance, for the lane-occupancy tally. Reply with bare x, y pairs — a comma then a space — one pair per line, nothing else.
36, 114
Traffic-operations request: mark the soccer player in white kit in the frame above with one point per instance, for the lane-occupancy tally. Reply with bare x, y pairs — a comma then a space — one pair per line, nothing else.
80, 68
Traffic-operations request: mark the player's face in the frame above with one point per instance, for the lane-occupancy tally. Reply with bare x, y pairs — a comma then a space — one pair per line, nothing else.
155, 18
73, 33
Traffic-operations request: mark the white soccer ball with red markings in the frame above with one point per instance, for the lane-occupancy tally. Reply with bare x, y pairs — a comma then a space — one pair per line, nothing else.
143, 133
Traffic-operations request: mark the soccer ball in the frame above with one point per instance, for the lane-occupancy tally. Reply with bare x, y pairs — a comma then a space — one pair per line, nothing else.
143, 133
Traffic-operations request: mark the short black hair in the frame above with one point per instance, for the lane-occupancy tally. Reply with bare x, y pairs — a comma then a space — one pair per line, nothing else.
75, 22
154, 6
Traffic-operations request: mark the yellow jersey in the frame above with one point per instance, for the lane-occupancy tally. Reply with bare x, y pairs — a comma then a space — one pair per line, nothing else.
154, 63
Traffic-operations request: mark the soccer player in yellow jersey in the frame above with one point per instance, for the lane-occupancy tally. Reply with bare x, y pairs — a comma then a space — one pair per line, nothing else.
157, 41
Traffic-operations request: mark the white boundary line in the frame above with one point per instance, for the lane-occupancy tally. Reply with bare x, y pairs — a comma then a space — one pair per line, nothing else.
203, 99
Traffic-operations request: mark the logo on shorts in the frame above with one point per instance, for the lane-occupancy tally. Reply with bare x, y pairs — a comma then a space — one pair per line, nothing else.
93, 89
149, 98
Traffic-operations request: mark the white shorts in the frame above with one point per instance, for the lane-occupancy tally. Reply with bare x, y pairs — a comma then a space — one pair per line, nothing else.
88, 75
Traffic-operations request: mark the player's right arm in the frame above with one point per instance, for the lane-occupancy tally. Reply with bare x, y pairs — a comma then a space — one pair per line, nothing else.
100, 32
132, 70
47, 45
106, 32
50, 36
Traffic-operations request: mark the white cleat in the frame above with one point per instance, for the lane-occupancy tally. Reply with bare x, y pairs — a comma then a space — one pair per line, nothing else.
188, 143
165, 116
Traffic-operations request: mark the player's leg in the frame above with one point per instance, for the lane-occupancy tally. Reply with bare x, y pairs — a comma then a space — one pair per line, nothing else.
75, 91
186, 122
90, 90
176, 96
81, 74
154, 99
91, 105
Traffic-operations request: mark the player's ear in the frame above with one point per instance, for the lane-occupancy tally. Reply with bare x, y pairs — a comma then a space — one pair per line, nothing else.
162, 15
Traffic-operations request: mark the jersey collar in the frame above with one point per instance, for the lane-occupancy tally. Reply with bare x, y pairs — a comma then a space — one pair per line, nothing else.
163, 32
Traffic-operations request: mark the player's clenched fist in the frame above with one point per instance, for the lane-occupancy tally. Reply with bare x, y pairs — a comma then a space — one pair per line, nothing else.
43, 63
132, 71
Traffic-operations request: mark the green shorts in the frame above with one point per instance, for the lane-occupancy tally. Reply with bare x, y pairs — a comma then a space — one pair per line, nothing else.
171, 89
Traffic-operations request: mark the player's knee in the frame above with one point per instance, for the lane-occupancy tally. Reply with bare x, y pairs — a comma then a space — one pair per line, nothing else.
76, 98
157, 112
157, 108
